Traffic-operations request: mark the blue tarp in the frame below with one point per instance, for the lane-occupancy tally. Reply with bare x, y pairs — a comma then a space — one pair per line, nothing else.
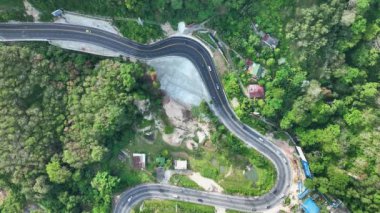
58, 12
309, 206
306, 169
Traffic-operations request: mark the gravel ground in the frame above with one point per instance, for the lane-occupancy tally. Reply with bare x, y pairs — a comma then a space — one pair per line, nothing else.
30, 10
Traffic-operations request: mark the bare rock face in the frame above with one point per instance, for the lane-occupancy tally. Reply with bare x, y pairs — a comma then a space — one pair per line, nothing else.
186, 130
180, 80
201, 136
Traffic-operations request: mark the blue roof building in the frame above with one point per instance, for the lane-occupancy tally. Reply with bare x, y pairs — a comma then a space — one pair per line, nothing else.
305, 164
57, 13
309, 206
306, 169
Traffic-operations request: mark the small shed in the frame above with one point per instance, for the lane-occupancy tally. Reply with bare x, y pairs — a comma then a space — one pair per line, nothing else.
270, 41
256, 70
138, 160
180, 164
57, 13
255, 91
309, 206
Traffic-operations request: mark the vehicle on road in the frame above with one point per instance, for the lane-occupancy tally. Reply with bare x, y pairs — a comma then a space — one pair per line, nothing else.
217, 86
200, 200
209, 68
284, 159
88, 31
129, 199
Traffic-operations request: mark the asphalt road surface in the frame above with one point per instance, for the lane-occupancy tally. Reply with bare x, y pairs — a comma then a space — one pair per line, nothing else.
201, 58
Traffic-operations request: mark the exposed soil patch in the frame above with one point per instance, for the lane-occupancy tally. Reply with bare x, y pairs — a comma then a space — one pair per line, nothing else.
206, 183
3, 195
220, 63
186, 129
30, 10
168, 29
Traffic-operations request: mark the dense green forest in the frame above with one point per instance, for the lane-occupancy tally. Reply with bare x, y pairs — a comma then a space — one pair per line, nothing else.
326, 94
13, 10
59, 115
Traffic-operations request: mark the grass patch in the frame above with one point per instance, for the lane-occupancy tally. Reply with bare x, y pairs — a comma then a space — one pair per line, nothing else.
13, 10
145, 123
230, 171
184, 181
11, 4
143, 34
152, 149
232, 211
205, 38
169, 129
281, 135
236, 183
165, 206
287, 201
210, 165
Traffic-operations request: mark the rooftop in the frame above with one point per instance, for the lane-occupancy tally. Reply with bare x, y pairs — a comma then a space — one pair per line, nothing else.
58, 12
309, 206
272, 42
138, 161
255, 91
180, 164
256, 70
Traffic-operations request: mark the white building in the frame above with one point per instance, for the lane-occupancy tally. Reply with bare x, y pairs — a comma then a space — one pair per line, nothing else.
180, 164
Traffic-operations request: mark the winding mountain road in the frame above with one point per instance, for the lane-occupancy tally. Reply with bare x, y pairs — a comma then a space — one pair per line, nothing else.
201, 58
